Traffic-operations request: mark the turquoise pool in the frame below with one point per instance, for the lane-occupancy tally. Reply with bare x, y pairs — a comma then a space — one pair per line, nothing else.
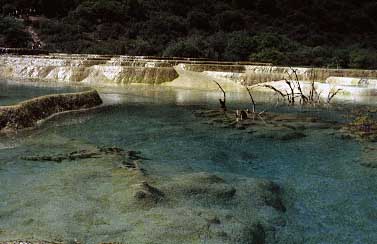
329, 196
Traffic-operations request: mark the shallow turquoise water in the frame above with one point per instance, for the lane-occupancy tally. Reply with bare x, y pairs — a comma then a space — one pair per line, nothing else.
12, 92
330, 198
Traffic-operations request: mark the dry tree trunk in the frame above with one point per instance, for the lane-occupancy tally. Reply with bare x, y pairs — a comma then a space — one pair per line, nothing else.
314, 96
312, 78
277, 91
254, 112
332, 94
304, 99
222, 102
291, 98
252, 99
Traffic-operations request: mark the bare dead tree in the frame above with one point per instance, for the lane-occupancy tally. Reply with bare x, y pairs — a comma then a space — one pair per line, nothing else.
254, 111
303, 98
291, 97
284, 96
332, 94
314, 95
313, 91
296, 91
252, 99
363, 81
291, 86
222, 102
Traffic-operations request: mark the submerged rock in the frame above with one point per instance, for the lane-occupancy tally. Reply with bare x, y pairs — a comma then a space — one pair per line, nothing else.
283, 127
204, 206
27, 114
201, 187
363, 127
120, 158
369, 164
76, 155
254, 234
56, 158
146, 195
126, 205
369, 155
211, 189
272, 194
279, 133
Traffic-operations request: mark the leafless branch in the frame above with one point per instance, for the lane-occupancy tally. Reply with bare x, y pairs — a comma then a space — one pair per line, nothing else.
222, 102
303, 99
252, 98
332, 94
218, 84
291, 98
276, 90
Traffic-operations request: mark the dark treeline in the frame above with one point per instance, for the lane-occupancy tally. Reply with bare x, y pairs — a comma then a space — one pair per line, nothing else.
332, 33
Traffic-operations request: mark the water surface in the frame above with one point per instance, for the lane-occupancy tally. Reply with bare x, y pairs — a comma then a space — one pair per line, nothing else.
330, 198
12, 92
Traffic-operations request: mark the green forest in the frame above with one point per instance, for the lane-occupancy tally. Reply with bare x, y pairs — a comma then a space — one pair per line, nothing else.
323, 33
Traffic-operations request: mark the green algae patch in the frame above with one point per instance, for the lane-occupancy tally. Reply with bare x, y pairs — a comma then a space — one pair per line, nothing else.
27, 114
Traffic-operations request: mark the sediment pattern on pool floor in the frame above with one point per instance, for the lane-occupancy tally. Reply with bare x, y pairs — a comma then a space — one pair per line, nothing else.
145, 208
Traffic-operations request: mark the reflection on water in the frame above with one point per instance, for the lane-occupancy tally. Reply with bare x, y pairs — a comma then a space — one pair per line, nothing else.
329, 197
